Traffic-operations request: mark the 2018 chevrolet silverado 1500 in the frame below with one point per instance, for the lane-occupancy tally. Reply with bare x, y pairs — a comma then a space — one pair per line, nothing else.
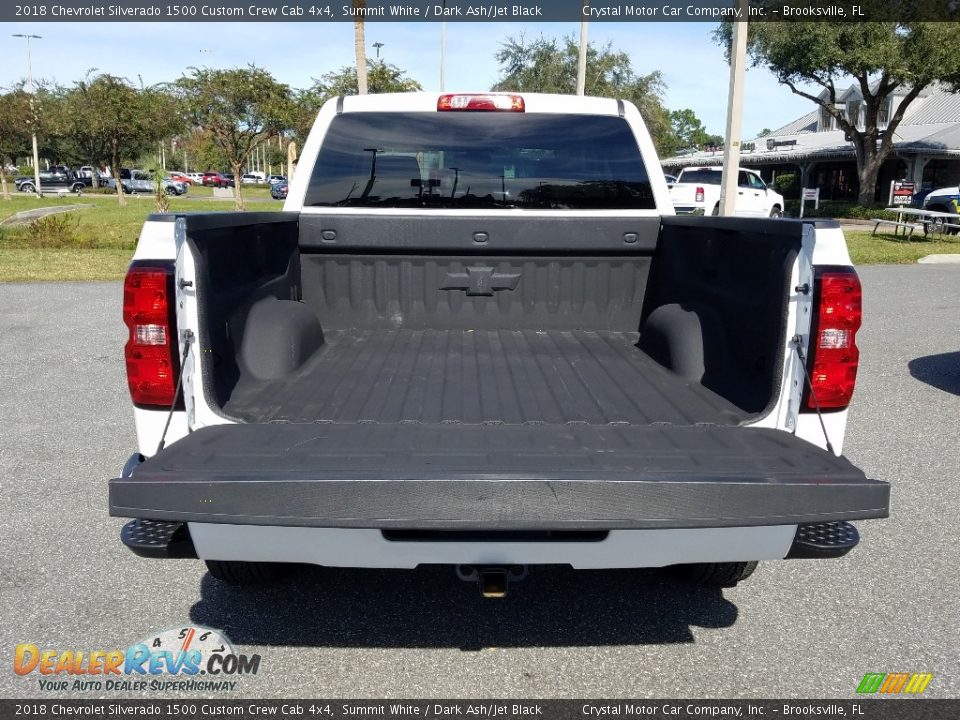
477, 335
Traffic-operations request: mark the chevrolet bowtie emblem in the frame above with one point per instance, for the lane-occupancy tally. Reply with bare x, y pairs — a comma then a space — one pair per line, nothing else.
480, 281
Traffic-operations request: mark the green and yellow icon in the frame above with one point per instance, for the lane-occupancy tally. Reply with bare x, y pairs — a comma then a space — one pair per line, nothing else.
894, 683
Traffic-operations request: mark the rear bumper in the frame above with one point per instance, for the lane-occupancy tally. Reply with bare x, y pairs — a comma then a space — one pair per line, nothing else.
496, 478
333, 547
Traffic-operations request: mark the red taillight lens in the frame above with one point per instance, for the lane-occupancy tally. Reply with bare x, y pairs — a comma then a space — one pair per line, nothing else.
148, 314
699, 196
495, 103
833, 348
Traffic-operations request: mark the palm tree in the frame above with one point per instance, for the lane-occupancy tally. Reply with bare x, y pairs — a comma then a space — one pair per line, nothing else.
359, 46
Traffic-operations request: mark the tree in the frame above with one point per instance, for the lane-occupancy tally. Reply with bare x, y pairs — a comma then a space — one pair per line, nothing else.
240, 108
550, 66
129, 120
14, 131
81, 126
884, 58
687, 129
382, 78
360, 46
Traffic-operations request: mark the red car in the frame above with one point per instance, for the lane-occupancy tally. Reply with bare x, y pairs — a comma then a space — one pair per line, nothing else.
214, 179
180, 177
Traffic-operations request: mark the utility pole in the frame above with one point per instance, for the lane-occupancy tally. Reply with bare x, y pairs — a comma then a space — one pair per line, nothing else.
443, 50
33, 112
731, 148
582, 56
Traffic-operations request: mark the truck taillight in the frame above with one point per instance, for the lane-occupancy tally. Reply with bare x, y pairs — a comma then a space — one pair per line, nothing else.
833, 353
699, 196
148, 313
482, 101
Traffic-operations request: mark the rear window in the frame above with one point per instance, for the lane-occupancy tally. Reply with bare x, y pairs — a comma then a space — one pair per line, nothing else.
479, 160
701, 176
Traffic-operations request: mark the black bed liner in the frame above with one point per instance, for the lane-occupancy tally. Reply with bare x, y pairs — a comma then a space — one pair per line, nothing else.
475, 376
488, 477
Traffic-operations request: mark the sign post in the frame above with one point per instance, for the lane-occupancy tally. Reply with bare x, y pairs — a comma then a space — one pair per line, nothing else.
810, 194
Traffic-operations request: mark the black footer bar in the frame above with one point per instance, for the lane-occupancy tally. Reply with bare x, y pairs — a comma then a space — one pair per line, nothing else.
897, 707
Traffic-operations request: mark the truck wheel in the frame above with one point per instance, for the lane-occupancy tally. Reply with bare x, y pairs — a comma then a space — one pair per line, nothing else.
776, 212
237, 572
726, 574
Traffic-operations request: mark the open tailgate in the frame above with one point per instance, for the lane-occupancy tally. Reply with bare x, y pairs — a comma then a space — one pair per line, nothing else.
489, 477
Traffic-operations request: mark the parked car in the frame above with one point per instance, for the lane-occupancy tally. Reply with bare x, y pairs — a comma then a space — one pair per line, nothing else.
182, 178
175, 187
215, 179
195, 177
272, 179
696, 191
278, 191
230, 179
141, 181
560, 371
53, 181
251, 179
945, 200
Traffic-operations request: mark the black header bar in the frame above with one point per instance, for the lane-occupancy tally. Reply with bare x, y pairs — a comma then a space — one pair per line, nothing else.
892, 708
479, 11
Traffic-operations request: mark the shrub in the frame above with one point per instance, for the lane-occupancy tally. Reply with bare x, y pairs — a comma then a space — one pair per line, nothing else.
839, 209
56, 231
787, 185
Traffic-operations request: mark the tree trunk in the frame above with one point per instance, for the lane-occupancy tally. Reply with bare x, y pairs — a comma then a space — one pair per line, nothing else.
360, 49
868, 167
237, 184
115, 170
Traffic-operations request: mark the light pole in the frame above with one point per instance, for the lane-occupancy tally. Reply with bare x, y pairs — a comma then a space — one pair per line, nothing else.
443, 50
731, 147
378, 45
582, 55
33, 114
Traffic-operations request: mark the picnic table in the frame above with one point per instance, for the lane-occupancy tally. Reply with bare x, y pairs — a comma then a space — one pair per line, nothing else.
930, 221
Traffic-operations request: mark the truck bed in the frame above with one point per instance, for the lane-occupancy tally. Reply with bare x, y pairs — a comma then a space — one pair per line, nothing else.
481, 376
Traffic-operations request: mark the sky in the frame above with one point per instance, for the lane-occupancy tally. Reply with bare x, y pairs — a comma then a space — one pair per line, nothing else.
693, 67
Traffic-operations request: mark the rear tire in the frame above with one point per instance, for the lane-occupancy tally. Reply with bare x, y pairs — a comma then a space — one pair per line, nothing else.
237, 572
776, 212
725, 575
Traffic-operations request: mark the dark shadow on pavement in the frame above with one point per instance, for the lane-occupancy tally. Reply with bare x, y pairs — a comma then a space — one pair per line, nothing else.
940, 371
430, 607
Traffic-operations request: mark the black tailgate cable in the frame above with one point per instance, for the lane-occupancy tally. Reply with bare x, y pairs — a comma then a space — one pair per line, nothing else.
813, 393
187, 341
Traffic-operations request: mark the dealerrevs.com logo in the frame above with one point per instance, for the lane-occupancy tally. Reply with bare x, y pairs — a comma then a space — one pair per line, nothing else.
178, 659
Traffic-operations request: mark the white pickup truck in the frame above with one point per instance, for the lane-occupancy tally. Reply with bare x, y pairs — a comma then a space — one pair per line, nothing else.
478, 336
697, 192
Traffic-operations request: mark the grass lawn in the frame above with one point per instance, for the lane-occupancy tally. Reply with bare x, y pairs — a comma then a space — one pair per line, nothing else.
101, 239
885, 249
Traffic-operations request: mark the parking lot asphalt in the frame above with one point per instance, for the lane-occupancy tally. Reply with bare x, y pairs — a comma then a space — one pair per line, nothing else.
795, 629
